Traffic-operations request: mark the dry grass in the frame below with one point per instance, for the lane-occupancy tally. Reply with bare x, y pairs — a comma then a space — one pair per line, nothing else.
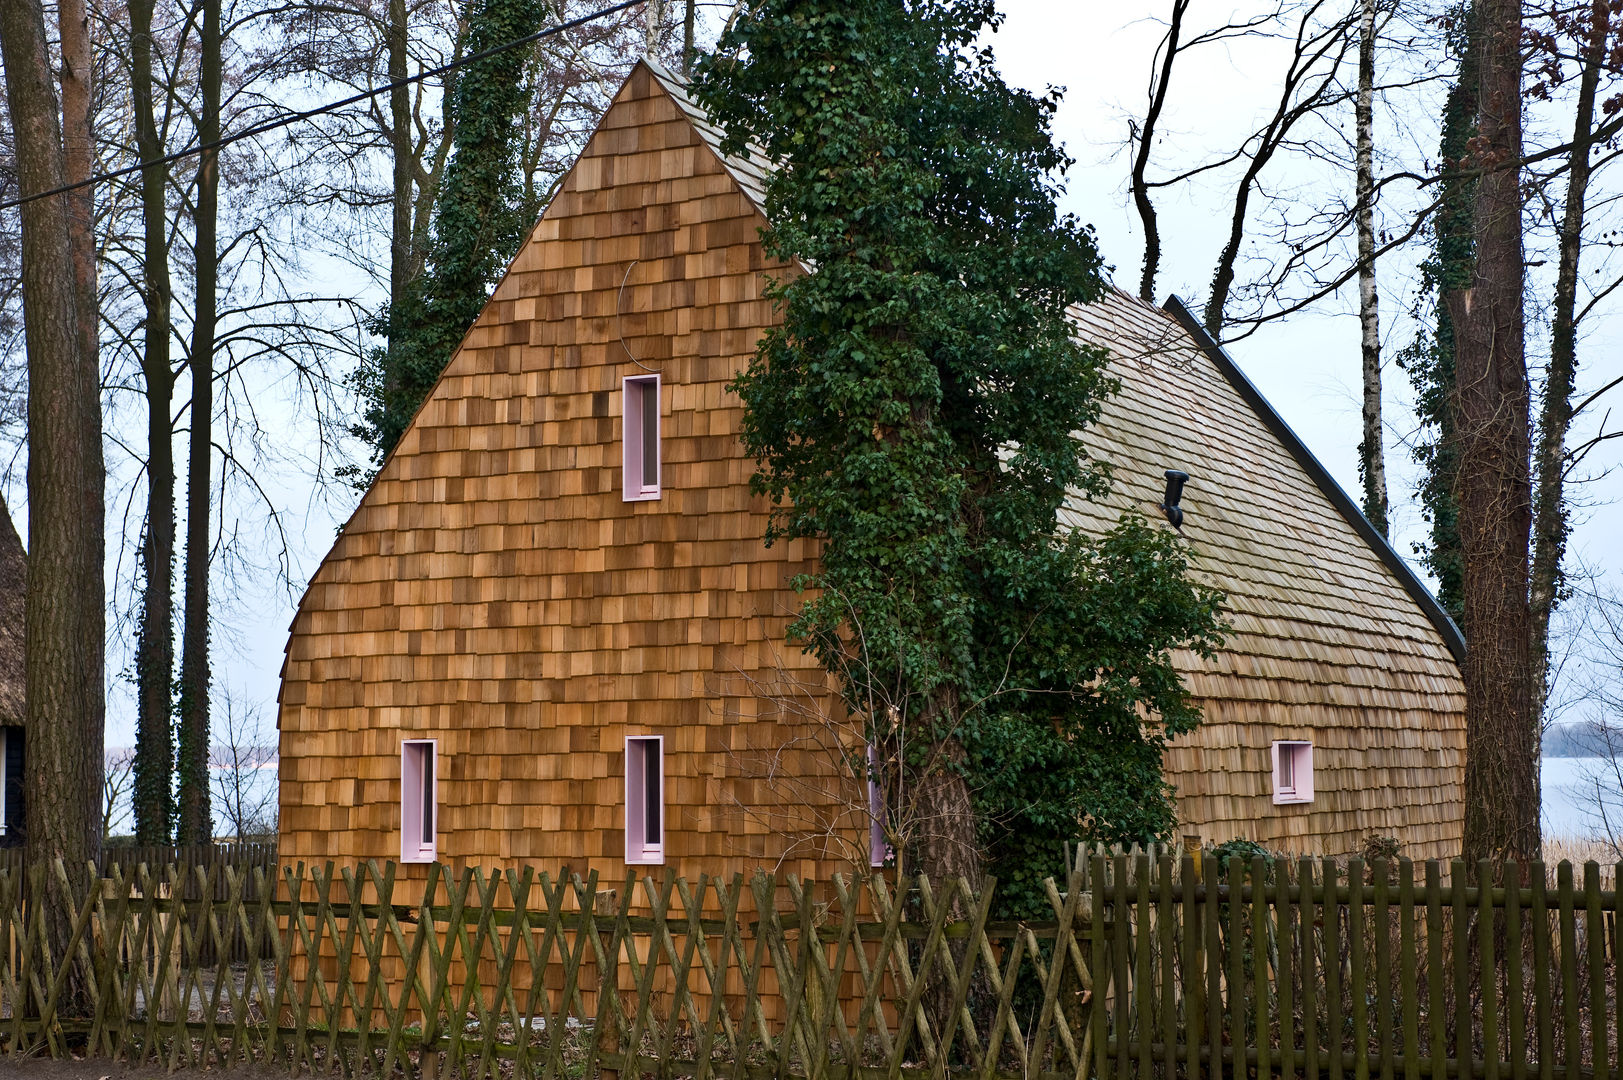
1579, 850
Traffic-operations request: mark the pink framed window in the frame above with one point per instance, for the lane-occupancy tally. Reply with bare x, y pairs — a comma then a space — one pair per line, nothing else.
419, 795
645, 799
1293, 771
641, 431
878, 847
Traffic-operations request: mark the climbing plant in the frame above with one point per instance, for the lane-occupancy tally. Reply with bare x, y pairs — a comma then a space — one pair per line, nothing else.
478, 223
916, 411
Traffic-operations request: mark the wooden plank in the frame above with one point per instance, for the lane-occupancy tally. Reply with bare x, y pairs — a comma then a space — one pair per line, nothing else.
1574, 1044
1310, 975
1595, 943
1408, 974
1543, 995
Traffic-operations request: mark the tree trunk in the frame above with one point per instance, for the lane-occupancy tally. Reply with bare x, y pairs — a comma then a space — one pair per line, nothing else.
400, 239
1371, 450
154, 766
79, 164
943, 825
195, 826
1449, 270
1495, 498
63, 621
1141, 160
689, 18
653, 15
1549, 502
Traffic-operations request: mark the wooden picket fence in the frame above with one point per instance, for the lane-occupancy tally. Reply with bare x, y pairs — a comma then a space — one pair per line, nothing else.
1327, 969
241, 854
1141, 967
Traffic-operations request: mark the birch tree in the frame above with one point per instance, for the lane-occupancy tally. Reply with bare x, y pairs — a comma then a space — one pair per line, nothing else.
1371, 448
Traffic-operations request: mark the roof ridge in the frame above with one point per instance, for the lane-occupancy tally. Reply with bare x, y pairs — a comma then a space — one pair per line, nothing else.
750, 170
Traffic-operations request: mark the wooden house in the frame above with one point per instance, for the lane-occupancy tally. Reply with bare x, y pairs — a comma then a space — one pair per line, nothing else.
551, 632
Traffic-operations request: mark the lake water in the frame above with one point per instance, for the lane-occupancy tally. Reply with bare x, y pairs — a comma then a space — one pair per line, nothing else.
1573, 801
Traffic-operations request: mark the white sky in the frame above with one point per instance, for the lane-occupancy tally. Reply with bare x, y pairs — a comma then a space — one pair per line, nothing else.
1308, 367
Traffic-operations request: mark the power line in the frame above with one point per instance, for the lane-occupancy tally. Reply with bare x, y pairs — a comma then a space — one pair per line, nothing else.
331, 106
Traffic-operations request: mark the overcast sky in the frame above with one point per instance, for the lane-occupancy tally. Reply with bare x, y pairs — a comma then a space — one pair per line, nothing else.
1308, 365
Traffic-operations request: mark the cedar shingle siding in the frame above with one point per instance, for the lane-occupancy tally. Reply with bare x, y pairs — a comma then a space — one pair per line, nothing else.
494, 591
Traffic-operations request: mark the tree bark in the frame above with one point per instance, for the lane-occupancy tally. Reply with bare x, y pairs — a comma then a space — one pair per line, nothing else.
689, 18
1495, 497
79, 162
944, 834
63, 621
1555, 416
1371, 450
400, 240
154, 766
1141, 160
195, 824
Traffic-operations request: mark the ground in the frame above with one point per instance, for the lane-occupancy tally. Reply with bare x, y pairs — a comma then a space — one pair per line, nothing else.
102, 1069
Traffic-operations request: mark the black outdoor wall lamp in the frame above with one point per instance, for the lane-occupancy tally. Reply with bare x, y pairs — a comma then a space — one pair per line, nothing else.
1174, 495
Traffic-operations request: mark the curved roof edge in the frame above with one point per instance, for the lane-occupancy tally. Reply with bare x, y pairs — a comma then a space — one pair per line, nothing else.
1316, 471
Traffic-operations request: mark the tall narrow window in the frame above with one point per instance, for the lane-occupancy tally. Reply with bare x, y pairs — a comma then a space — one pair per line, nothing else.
12, 769
1293, 772
418, 800
5, 780
641, 432
645, 799
878, 847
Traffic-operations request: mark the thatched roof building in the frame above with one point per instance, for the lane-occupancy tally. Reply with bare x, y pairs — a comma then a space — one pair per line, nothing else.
13, 577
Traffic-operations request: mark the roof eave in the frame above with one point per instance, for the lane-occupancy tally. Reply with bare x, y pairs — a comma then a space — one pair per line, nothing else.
1452, 638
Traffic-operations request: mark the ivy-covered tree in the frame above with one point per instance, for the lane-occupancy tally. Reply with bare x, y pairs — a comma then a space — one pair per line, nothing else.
1429, 361
479, 221
916, 412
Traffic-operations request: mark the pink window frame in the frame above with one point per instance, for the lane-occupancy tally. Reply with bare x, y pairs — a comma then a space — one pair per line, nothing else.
1298, 753
878, 847
640, 851
632, 428
412, 795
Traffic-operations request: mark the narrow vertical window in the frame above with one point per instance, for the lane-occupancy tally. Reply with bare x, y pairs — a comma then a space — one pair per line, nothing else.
878, 848
1293, 771
12, 769
641, 433
645, 799
418, 800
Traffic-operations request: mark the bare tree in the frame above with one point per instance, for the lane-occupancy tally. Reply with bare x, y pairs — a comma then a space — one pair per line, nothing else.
192, 796
242, 773
1592, 28
117, 791
1595, 694
155, 644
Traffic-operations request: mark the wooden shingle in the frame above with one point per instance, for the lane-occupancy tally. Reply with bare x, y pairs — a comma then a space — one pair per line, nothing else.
493, 589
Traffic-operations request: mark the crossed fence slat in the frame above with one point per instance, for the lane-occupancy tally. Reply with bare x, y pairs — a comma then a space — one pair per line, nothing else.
1143, 967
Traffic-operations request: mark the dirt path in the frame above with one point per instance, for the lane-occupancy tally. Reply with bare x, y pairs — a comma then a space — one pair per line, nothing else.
102, 1069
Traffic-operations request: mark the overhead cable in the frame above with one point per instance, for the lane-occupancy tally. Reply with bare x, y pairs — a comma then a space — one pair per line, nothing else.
332, 106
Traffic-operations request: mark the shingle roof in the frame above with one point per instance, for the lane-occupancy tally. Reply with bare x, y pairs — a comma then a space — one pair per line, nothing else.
749, 172
1259, 519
